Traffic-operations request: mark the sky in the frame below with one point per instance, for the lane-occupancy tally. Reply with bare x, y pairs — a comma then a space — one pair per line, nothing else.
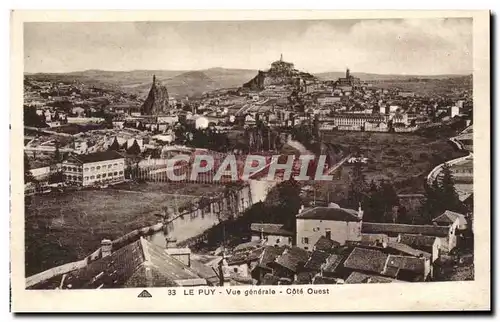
409, 46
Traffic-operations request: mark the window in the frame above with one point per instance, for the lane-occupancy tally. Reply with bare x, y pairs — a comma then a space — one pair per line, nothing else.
121, 172
306, 248
98, 167
92, 168
236, 269
92, 177
86, 178
305, 240
328, 233
115, 165
98, 176
277, 240
86, 169
115, 173
65, 168
109, 166
104, 175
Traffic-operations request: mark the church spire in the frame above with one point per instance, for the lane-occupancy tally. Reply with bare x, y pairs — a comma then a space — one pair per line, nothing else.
281, 57
154, 79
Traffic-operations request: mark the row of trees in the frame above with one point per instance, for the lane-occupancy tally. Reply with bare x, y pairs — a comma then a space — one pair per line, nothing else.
379, 201
134, 149
441, 195
261, 137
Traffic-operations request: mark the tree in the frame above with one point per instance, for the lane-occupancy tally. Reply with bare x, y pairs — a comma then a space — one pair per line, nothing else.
441, 196
389, 200
135, 149
285, 201
28, 176
448, 194
57, 153
108, 120
33, 119
357, 187
373, 208
115, 146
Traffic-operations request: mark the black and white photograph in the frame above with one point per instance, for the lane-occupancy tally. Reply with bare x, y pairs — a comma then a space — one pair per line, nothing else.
225, 154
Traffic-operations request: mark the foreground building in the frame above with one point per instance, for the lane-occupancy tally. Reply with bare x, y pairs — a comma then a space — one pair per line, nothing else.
333, 222
138, 264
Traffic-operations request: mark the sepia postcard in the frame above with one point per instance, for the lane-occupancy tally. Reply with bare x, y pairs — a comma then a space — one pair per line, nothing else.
250, 161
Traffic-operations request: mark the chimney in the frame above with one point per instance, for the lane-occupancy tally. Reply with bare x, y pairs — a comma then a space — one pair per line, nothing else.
106, 247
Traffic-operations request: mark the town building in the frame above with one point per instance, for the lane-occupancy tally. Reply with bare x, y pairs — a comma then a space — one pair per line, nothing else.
449, 218
272, 234
351, 119
333, 222
138, 264
94, 168
328, 100
348, 80
446, 233
379, 262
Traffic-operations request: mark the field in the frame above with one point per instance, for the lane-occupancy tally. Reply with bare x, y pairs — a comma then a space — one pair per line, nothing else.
403, 159
430, 87
63, 227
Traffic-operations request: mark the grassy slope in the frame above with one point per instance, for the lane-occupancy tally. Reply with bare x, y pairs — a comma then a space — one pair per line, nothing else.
403, 159
65, 227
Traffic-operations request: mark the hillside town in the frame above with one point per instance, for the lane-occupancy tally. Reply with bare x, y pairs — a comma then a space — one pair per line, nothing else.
102, 213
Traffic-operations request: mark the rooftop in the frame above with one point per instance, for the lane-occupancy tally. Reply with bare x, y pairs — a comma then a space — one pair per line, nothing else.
316, 260
408, 263
384, 228
358, 277
448, 217
329, 213
293, 259
405, 249
98, 156
325, 244
417, 241
332, 262
270, 229
139, 264
269, 255
364, 259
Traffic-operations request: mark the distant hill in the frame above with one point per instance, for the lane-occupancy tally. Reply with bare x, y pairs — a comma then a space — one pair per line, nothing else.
228, 78
382, 77
191, 84
179, 83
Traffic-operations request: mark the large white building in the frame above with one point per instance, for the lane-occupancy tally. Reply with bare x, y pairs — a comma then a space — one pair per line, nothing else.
94, 168
333, 222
